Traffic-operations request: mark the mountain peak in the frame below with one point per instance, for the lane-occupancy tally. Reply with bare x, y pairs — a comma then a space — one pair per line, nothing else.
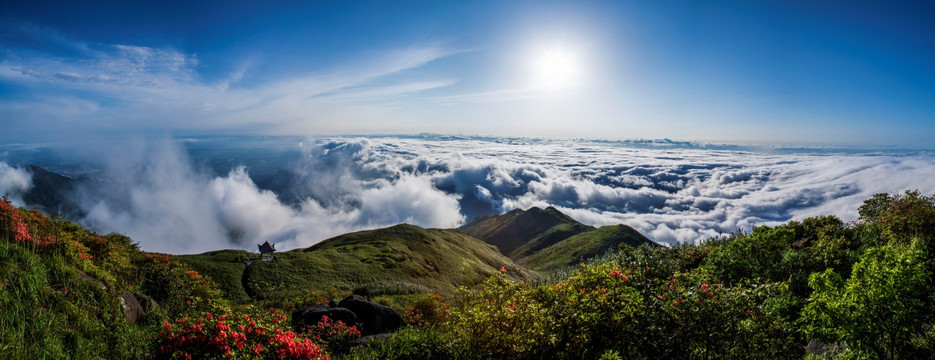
534, 227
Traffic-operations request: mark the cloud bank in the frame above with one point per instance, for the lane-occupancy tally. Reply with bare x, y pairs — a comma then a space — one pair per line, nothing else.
156, 195
673, 193
14, 183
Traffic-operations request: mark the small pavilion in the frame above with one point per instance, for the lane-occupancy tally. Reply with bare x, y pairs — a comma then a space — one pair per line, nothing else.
266, 251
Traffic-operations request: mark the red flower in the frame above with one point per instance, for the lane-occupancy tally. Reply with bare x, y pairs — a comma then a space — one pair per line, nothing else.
503, 270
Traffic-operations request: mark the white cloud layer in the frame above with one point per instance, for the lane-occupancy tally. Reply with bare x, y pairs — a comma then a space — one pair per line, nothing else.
157, 197
673, 194
14, 182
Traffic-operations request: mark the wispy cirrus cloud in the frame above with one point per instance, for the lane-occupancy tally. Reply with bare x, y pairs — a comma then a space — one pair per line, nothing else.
132, 87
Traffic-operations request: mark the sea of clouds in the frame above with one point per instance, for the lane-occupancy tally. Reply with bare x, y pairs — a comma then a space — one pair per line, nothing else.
163, 197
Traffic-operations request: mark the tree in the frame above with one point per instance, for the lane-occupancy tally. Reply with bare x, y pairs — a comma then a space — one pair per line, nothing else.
902, 216
877, 310
874, 207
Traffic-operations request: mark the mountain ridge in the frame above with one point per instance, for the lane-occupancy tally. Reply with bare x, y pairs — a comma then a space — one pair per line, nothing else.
516, 228
547, 239
394, 260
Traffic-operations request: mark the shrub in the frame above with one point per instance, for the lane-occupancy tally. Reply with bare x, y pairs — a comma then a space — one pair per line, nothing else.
902, 216
428, 310
334, 336
232, 337
502, 320
759, 255
877, 311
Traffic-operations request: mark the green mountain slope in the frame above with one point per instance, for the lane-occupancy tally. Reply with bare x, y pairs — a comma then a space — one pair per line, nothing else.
583, 246
547, 239
520, 233
226, 268
396, 260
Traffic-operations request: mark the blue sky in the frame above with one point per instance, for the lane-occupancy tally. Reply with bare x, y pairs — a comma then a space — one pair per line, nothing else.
790, 72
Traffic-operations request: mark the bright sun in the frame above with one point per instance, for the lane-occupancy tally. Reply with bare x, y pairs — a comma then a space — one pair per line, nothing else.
555, 69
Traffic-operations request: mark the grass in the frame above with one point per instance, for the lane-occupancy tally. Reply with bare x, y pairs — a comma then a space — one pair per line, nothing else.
398, 260
583, 246
519, 233
226, 268
50, 312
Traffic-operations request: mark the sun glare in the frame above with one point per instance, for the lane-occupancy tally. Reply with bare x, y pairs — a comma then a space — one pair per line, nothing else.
555, 69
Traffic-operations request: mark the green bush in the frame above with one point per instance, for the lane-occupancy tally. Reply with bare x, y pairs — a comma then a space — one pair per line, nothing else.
758, 256
878, 311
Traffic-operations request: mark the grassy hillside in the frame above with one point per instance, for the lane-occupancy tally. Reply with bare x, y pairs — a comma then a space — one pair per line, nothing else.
548, 240
402, 259
520, 233
66, 292
226, 268
819, 288
584, 246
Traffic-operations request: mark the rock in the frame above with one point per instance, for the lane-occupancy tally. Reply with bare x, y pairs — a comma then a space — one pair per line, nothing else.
149, 305
373, 318
822, 350
132, 310
91, 279
309, 316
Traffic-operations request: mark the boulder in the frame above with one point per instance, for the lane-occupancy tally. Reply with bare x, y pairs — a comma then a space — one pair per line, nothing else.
132, 310
373, 318
306, 317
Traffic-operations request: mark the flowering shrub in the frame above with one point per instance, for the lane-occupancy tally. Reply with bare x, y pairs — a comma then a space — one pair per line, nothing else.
232, 337
334, 336
43, 235
625, 309
13, 224
594, 309
177, 288
428, 310
502, 319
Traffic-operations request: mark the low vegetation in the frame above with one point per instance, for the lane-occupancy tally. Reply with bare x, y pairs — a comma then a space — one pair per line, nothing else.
398, 260
818, 288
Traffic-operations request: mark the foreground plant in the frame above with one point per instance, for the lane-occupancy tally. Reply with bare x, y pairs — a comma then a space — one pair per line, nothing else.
232, 337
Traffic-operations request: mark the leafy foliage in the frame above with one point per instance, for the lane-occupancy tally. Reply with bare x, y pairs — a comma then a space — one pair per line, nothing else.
814, 288
878, 309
